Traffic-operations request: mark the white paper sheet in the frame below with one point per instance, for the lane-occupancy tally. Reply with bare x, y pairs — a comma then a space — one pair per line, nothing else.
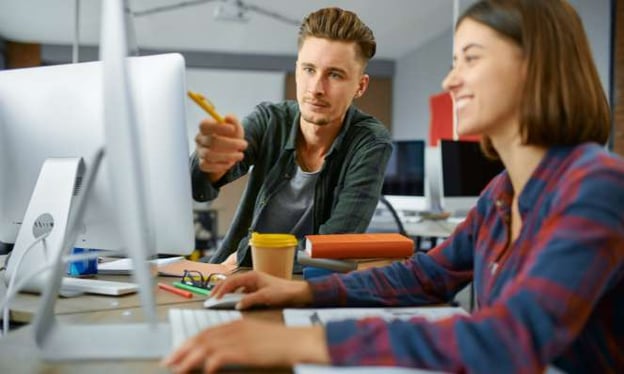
307, 317
124, 266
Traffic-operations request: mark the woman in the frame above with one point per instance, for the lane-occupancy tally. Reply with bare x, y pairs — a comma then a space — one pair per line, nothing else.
544, 246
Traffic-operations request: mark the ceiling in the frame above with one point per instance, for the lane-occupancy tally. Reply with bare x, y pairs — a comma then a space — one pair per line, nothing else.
400, 26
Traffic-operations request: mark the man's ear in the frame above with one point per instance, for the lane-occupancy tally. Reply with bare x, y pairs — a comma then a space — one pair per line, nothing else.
362, 86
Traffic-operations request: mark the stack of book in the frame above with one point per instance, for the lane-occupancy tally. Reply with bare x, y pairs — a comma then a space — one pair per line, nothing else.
343, 253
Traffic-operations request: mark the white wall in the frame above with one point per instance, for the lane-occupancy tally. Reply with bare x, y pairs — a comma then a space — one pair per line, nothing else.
596, 17
231, 91
418, 76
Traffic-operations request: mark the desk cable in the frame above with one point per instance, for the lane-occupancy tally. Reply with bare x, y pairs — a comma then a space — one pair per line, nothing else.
394, 214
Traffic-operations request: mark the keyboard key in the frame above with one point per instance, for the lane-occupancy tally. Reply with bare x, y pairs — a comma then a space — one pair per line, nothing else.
186, 323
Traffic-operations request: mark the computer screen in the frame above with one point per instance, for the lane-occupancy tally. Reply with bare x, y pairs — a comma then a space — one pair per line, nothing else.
57, 111
405, 172
465, 173
404, 181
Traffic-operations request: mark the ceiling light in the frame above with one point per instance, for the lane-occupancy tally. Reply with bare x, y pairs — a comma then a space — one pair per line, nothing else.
231, 11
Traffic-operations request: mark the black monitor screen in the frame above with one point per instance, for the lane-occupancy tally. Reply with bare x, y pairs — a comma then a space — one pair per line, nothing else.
465, 169
405, 174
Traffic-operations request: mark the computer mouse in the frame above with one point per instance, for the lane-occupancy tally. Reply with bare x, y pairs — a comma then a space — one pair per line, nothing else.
228, 301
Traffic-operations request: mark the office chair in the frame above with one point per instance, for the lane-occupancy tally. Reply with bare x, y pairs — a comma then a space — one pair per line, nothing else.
397, 220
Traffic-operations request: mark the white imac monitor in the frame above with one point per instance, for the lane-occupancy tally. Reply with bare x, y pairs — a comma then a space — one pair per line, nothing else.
56, 111
465, 172
404, 181
147, 168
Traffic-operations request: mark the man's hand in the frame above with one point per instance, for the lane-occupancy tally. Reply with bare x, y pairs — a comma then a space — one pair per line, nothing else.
264, 289
219, 146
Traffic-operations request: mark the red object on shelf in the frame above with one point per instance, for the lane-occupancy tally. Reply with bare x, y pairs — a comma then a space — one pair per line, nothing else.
441, 123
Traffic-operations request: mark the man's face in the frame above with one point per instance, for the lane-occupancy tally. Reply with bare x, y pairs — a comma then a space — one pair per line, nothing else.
329, 76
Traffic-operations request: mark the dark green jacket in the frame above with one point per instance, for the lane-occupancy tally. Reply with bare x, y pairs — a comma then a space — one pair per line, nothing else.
347, 189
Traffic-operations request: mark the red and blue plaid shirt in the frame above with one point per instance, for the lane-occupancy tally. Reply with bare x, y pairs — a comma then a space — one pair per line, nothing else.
555, 296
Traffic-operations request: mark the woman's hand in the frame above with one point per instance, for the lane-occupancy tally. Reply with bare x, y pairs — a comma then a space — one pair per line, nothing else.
250, 342
264, 289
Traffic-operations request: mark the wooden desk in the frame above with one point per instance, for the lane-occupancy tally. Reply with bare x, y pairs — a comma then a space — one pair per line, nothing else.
24, 306
19, 353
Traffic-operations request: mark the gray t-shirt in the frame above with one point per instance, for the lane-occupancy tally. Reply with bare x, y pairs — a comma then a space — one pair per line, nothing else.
290, 209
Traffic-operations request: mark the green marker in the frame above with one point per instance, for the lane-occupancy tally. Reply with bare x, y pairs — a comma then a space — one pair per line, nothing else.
197, 290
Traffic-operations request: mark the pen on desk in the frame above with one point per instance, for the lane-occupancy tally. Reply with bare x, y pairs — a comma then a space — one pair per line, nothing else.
197, 290
206, 105
177, 291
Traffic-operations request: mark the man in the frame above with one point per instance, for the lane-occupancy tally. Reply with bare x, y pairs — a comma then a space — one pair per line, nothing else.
318, 163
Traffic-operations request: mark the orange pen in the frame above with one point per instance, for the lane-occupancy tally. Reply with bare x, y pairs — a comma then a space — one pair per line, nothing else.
177, 291
206, 105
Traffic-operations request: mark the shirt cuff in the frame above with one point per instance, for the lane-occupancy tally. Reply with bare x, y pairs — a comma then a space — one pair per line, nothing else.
356, 343
327, 291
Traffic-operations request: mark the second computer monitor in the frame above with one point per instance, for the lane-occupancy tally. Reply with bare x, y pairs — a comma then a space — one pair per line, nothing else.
404, 182
465, 173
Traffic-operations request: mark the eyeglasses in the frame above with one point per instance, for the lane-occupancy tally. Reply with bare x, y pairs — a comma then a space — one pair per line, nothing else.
197, 279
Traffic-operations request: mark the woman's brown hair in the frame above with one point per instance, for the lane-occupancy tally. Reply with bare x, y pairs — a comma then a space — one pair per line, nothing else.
563, 102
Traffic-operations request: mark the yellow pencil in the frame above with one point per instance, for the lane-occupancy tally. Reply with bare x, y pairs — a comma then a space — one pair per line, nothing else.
206, 105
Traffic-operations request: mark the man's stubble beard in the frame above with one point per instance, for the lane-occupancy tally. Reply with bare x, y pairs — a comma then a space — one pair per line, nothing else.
318, 121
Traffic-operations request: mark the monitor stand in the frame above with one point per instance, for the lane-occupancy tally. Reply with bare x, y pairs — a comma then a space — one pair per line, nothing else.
47, 214
63, 342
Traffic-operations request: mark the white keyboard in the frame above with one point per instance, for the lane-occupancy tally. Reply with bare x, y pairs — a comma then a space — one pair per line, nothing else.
97, 286
188, 322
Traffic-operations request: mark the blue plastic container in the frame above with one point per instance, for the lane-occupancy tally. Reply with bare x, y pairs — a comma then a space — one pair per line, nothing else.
83, 268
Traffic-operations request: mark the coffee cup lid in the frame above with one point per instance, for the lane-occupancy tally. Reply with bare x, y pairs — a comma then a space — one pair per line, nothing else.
272, 240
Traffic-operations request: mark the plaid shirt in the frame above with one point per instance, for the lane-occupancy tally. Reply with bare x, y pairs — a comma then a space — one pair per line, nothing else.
347, 189
554, 296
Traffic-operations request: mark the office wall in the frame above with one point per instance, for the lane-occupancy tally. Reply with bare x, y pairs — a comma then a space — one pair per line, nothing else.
596, 17
231, 91
419, 74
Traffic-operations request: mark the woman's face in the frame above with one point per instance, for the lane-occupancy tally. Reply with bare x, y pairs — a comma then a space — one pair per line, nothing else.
486, 80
